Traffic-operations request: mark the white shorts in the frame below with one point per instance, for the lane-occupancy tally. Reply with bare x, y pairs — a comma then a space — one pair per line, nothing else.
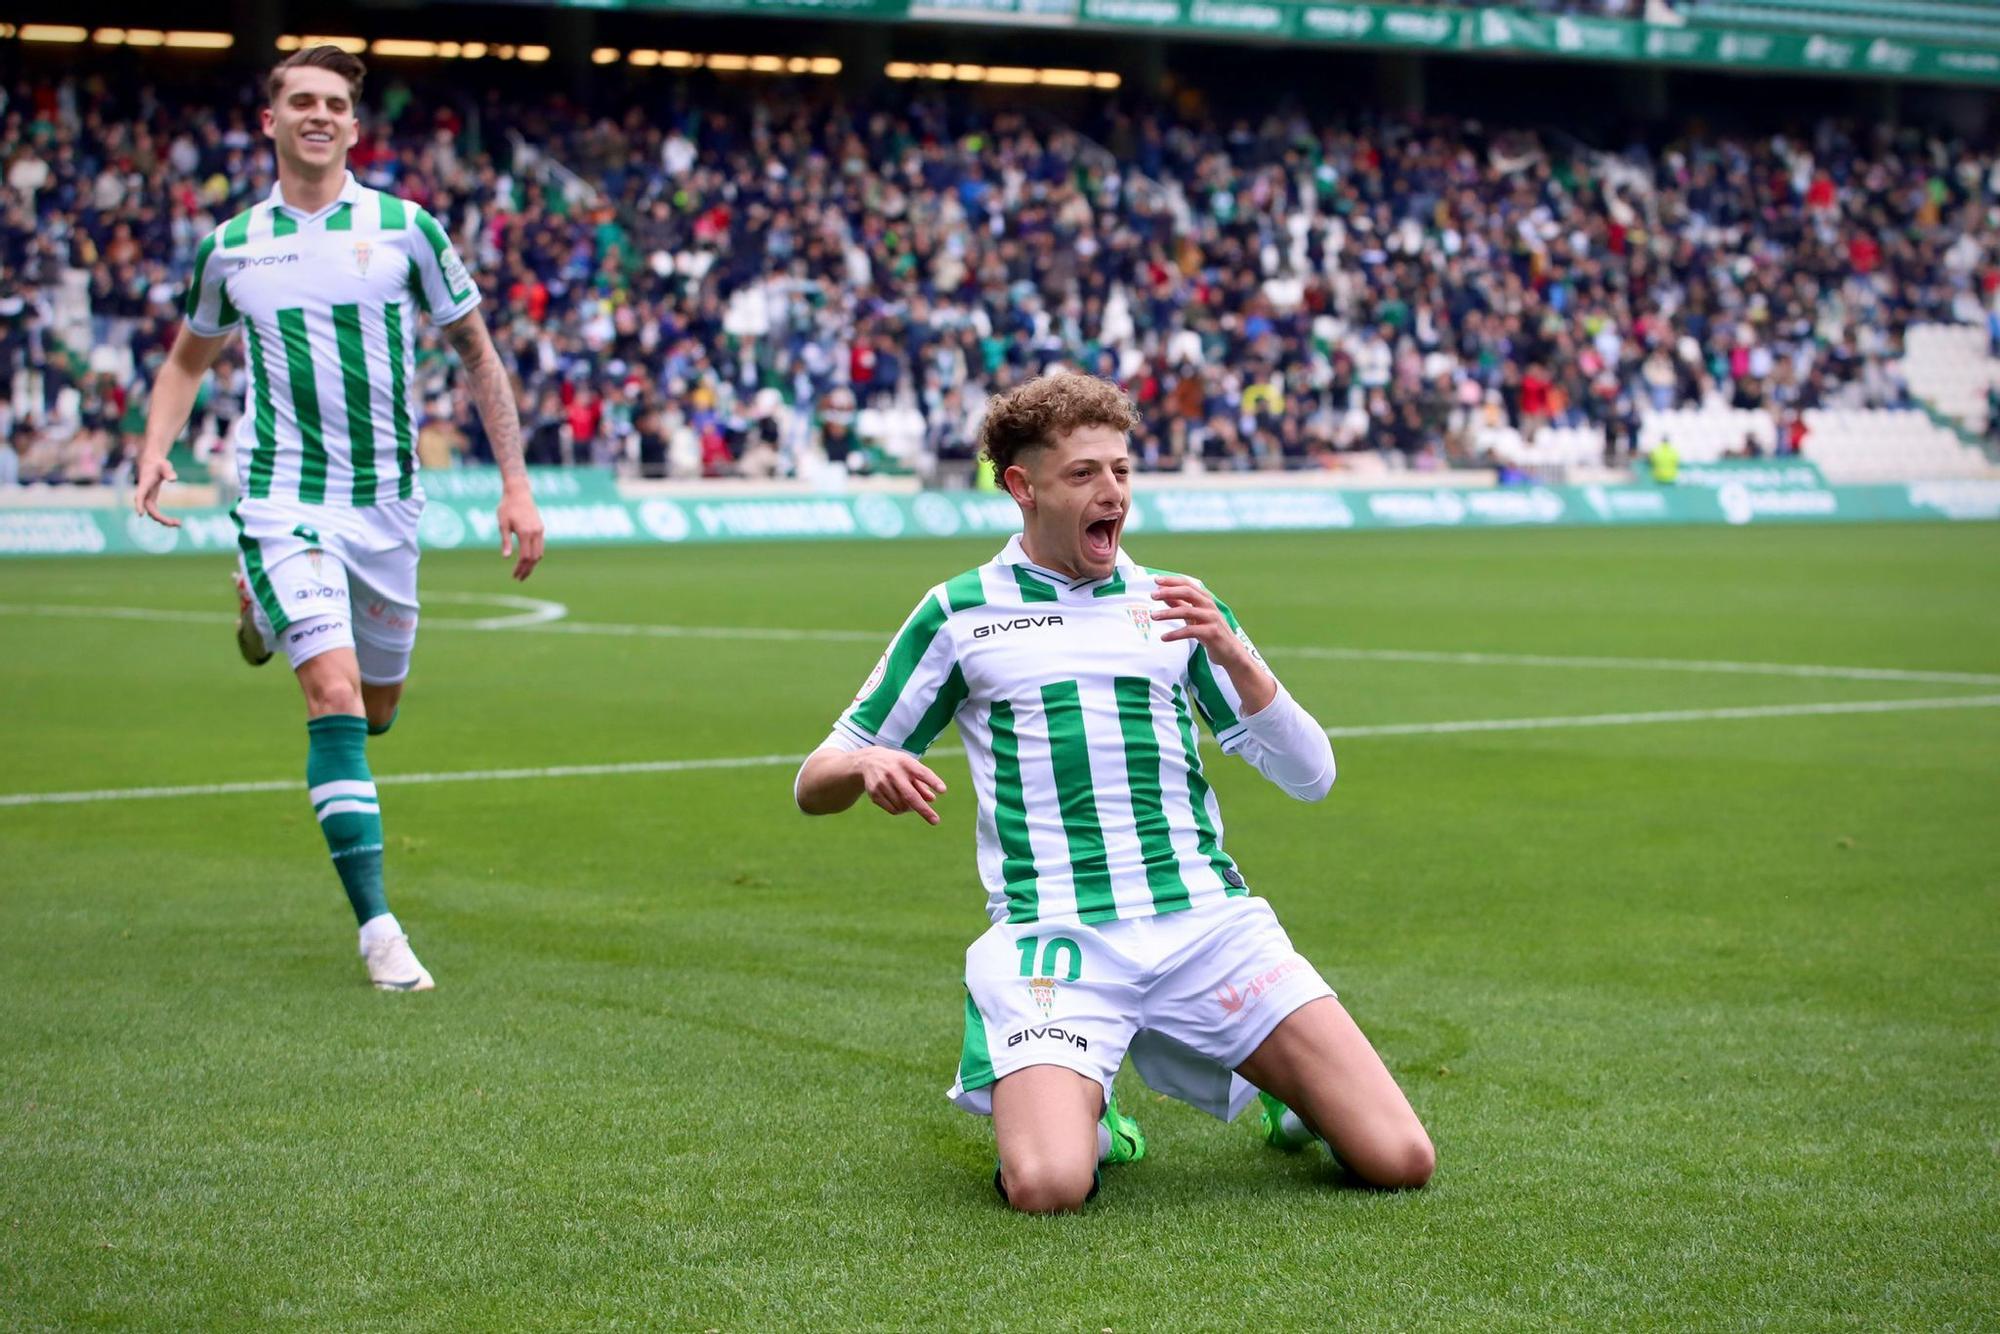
1190, 994
324, 577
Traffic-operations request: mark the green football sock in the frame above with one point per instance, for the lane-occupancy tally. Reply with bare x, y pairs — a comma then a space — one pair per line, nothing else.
343, 797
373, 730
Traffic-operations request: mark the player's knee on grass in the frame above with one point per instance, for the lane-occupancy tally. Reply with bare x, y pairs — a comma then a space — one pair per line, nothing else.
1398, 1159
1047, 1184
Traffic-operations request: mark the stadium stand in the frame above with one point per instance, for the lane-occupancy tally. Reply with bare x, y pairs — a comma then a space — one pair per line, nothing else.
1885, 445
1707, 434
1952, 367
752, 283
1847, 444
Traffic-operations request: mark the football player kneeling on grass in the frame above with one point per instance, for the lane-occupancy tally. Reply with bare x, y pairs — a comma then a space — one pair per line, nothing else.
1119, 922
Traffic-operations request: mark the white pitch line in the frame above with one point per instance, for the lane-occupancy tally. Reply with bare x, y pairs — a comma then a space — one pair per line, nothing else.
1699, 665
774, 761
745, 632
543, 619
383, 780
528, 612
1666, 716
117, 613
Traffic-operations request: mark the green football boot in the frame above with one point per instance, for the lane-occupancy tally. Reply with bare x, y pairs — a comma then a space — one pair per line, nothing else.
1128, 1142
1276, 1133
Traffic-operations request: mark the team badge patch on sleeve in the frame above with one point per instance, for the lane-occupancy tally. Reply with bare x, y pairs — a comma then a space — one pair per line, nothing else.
874, 678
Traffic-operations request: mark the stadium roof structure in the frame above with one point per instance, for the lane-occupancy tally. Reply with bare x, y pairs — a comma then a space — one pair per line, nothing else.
1942, 41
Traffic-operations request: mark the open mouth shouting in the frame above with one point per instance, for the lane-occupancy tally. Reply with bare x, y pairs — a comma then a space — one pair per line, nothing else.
1100, 540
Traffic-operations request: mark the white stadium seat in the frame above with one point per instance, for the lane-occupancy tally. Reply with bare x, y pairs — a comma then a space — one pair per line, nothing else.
1947, 366
1848, 445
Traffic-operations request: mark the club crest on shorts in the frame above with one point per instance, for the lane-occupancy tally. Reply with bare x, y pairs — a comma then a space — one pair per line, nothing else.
1142, 620
1043, 989
315, 557
363, 250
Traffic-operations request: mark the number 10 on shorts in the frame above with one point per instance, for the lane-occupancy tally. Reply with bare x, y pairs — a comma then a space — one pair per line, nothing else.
1054, 954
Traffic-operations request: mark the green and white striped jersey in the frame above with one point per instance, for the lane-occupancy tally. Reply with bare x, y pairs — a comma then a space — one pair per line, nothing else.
1079, 724
327, 302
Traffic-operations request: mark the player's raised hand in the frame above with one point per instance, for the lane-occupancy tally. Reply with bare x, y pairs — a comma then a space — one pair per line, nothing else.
899, 782
154, 471
520, 519
1201, 620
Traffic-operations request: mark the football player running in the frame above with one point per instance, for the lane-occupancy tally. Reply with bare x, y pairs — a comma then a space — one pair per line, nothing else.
325, 279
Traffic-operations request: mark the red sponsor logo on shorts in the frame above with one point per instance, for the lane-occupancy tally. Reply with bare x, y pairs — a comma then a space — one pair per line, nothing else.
1238, 1001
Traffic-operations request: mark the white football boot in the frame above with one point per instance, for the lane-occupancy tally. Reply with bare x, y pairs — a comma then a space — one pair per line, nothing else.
393, 966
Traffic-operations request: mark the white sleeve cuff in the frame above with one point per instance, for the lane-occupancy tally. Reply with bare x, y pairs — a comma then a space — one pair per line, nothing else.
457, 312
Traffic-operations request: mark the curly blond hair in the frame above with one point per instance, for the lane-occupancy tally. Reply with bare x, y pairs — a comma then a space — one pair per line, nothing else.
1046, 409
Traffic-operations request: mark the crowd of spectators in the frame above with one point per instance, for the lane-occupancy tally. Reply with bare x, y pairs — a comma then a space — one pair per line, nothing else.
770, 281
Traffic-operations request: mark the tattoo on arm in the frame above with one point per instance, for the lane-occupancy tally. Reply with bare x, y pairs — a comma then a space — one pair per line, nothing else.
492, 391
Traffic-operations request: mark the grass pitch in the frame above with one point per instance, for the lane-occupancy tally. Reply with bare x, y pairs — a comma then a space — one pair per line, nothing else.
1702, 1014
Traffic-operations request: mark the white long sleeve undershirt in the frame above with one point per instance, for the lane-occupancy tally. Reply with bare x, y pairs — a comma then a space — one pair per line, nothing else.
1285, 744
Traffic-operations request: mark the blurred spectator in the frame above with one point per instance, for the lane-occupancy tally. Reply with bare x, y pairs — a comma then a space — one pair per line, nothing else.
1664, 463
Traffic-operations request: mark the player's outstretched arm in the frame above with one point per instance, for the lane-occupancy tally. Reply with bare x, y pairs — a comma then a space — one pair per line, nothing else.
833, 780
174, 389
493, 396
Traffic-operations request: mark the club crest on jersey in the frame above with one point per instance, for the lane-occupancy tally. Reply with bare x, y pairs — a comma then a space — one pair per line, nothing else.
1043, 989
363, 251
1142, 620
